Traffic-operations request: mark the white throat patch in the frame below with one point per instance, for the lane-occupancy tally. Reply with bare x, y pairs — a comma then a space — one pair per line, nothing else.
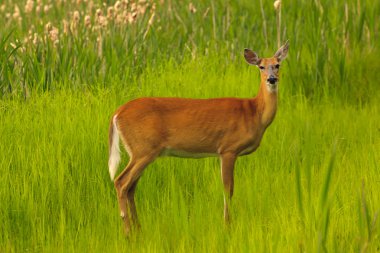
272, 87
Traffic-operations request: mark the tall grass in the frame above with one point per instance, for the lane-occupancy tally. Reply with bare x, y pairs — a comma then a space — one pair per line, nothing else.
56, 192
311, 186
334, 44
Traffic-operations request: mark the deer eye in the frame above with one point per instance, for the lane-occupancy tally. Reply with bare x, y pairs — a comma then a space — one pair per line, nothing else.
261, 67
277, 66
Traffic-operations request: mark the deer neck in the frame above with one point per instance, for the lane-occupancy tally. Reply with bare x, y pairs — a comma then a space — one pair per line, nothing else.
266, 101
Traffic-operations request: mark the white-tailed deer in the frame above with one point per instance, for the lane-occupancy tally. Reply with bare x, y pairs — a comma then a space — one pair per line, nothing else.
224, 127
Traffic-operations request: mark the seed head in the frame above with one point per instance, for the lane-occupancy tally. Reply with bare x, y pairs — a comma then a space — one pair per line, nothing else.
277, 5
29, 6
54, 35
99, 12
192, 8
110, 12
66, 27
119, 18
142, 9
35, 39
153, 8
87, 21
103, 22
133, 7
124, 3
132, 17
16, 13
46, 8
76, 16
48, 27
117, 5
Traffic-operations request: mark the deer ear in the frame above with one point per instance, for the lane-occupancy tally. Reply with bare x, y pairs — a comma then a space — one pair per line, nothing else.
282, 52
251, 57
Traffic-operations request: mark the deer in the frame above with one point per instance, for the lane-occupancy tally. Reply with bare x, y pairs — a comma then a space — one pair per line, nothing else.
227, 128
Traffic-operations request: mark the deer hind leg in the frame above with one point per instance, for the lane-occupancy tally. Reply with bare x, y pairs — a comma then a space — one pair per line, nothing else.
228, 164
132, 205
122, 196
125, 186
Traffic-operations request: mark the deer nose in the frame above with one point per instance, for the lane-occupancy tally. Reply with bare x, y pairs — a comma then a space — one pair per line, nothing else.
272, 80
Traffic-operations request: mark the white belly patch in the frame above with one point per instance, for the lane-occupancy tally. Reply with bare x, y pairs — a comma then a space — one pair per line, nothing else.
185, 154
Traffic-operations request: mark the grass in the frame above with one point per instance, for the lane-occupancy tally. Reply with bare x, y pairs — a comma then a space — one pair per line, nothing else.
311, 186
334, 47
57, 194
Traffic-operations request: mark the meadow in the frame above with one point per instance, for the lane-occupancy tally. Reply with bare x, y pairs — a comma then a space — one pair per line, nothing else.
65, 66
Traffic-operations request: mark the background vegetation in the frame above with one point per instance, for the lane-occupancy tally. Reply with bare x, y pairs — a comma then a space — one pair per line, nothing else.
65, 66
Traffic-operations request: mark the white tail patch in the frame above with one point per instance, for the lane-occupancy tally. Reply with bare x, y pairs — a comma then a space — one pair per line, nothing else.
114, 157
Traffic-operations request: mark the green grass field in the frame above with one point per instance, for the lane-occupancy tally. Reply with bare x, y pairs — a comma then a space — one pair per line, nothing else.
312, 186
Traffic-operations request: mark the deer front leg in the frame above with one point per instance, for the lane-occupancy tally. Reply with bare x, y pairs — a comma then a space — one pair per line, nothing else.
227, 164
